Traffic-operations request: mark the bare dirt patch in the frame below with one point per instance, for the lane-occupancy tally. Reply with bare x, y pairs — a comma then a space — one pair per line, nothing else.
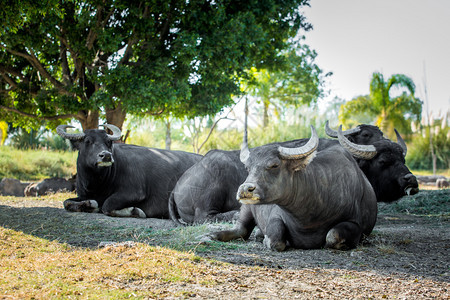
406, 256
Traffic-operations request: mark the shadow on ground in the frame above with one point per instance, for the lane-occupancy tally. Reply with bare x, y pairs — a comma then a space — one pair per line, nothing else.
416, 246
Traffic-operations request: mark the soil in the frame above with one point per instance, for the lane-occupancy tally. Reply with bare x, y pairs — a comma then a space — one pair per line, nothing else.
406, 257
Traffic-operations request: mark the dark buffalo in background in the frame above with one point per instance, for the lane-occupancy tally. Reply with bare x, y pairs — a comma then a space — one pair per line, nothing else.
123, 180
303, 197
12, 187
207, 190
50, 185
383, 163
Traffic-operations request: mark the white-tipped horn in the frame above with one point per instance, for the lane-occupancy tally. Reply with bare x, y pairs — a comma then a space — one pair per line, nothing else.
117, 133
333, 133
401, 142
359, 151
303, 151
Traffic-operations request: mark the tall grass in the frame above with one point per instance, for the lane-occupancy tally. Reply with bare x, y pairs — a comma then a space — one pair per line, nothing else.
32, 165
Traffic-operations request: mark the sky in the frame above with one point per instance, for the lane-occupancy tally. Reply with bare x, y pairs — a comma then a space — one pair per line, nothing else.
354, 38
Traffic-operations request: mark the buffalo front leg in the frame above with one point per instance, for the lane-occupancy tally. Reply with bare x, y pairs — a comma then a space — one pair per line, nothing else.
115, 206
76, 205
241, 230
343, 236
274, 235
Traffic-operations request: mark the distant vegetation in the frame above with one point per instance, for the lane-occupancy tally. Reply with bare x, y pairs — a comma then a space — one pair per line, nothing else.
34, 165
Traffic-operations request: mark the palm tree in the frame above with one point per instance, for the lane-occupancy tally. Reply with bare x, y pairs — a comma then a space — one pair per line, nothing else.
388, 112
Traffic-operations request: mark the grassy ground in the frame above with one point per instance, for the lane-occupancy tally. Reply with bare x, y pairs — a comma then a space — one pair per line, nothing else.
48, 253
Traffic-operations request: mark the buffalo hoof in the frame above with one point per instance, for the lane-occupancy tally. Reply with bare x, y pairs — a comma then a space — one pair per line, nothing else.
131, 212
274, 245
89, 206
335, 241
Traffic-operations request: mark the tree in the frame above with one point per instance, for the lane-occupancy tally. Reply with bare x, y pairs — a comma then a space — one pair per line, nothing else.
82, 59
388, 111
296, 80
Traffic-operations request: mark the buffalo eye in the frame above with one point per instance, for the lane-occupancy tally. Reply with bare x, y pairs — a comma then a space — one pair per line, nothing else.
88, 140
383, 162
272, 166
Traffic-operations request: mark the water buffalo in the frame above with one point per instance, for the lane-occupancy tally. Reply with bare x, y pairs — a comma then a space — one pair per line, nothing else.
123, 180
207, 190
12, 187
303, 197
383, 163
49, 185
362, 134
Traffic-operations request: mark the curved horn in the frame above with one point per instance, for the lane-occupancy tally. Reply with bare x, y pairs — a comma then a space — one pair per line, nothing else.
359, 151
116, 132
61, 130
333, 133
300, 152
401, 142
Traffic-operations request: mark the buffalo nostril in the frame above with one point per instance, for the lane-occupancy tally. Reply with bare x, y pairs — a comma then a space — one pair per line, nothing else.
105, 156
410, 178
251, 188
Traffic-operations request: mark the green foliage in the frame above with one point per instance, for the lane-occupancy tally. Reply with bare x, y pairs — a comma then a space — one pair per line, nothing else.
295, 81
34, 165
231, 139
386, 110
419, 153
75, 59
21, 139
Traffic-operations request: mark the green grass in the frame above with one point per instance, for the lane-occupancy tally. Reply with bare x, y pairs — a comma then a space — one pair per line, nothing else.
33, 165
425, 203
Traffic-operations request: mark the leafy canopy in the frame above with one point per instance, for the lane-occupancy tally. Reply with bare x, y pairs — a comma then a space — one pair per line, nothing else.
81, 59
295, 81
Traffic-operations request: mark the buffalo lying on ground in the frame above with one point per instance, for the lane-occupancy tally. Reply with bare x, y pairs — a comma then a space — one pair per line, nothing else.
303, 197
123, 180
12, 187
49, 185
205, 192
383, 163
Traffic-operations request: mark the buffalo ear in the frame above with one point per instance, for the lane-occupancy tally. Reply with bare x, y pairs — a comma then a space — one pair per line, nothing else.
362, 163
300, 164
76, 144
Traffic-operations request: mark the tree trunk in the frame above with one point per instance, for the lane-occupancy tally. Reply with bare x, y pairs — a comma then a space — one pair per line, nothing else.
266, 114
433, 154
168, 137
89, 119
116, 115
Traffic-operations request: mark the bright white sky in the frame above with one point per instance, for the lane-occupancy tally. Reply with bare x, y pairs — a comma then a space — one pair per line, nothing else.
354, 38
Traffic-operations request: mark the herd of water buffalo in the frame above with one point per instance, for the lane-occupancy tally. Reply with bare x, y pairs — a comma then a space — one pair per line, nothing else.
306, 193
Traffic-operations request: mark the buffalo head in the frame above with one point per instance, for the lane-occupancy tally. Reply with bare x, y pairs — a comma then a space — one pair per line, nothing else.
362, 134
383, 163
271, 166
94, 145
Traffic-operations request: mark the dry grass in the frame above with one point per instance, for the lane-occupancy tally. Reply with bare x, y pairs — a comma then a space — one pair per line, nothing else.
36, 268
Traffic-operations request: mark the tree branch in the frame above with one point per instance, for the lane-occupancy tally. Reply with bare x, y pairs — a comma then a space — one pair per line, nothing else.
32, 59
49, 118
